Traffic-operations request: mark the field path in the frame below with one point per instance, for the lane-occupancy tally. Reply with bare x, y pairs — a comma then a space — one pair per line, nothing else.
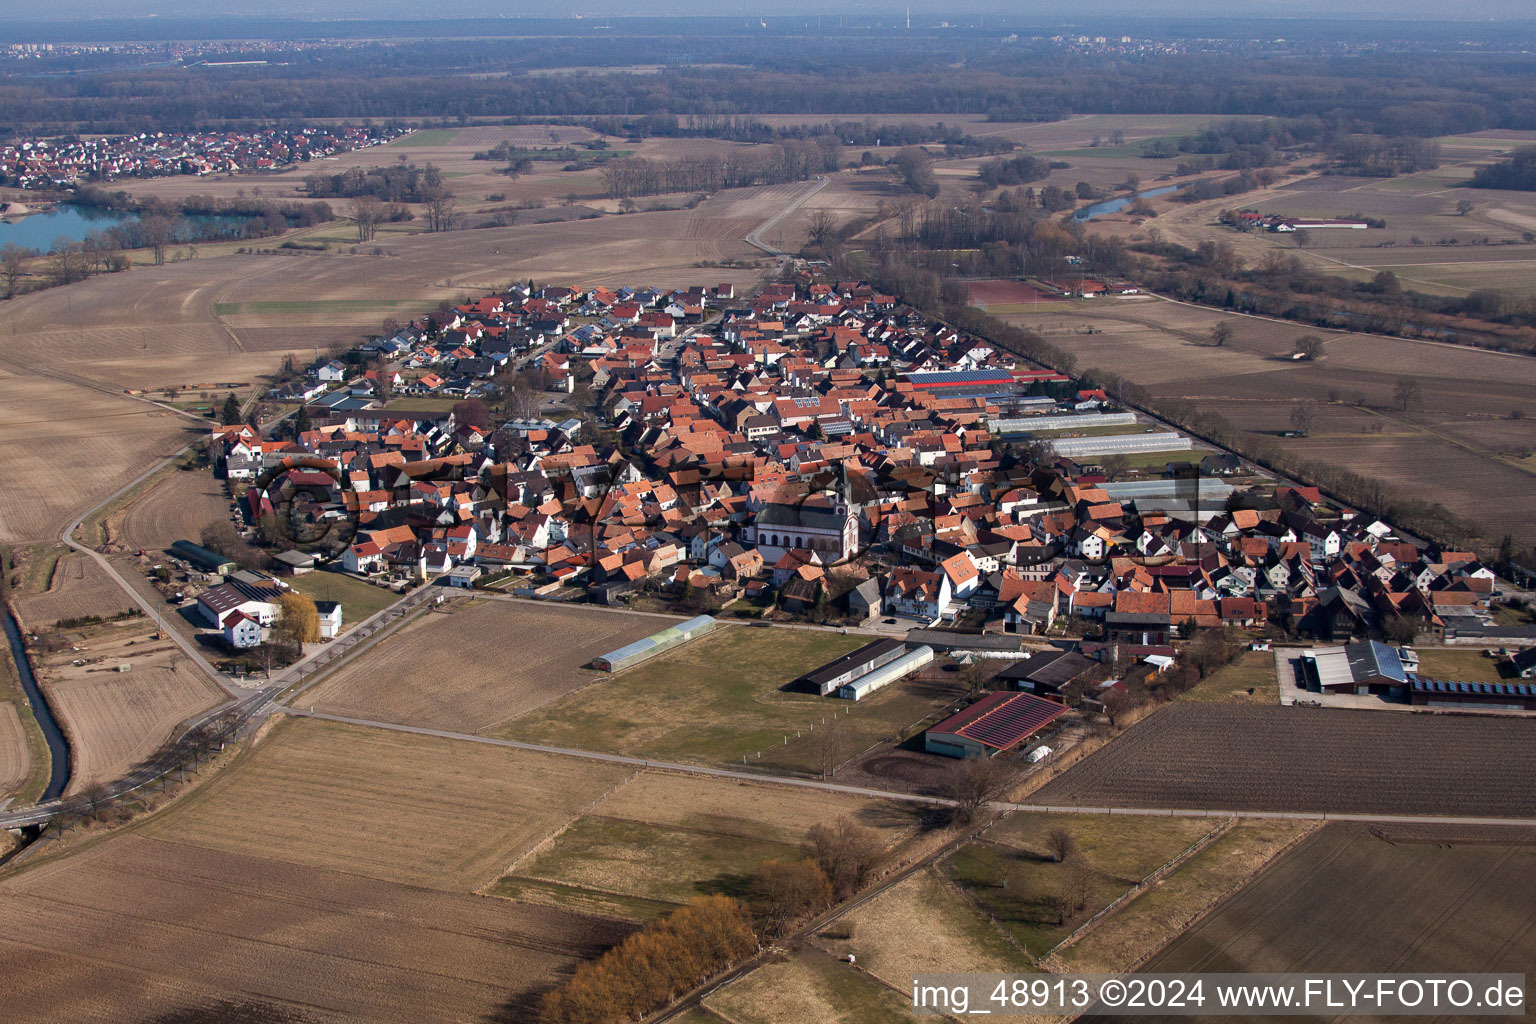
882, 794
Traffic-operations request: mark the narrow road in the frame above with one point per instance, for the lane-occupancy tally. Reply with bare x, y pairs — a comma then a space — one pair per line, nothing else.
754, 237
882, 794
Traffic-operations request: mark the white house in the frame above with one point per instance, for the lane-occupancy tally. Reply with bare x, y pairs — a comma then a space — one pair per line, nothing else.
241, 631
333, 372
330, 618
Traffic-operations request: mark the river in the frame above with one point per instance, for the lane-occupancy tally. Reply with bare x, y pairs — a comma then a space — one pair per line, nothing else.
58, 748
1116, 205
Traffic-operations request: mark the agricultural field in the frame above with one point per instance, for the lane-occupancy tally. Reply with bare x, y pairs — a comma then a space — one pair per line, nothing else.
475, 668
1352, 898
724, 697
63, 448
922, 924
1221, 756
1011, 873
115, 719
660, 839
810, 986
75, 588
1462, 428
176, 507
1248, 680
15, 751
1159, 913
177, 931
417, 810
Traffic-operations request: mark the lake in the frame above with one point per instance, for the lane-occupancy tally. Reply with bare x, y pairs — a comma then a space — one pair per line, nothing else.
1116, 205
68, 220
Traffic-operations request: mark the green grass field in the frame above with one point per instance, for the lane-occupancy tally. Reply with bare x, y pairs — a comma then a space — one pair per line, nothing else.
1254, 669
653, 863
1464, 666
358, 600
722, 697
1012, 877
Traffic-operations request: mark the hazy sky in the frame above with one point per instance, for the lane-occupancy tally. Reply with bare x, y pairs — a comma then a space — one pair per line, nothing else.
953, 9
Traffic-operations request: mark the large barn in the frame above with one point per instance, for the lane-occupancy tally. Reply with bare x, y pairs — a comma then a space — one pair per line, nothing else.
997, 723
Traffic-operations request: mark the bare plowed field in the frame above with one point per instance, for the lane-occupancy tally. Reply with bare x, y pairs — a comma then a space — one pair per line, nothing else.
115, 719
1452, 447
391, 805
15, 756
63, 448
176, 508
1349, 900
1221, 757
77, 588
476, 668
137, 927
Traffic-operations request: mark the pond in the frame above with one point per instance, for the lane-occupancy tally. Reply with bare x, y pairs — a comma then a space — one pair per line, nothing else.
1116, 205
68, 220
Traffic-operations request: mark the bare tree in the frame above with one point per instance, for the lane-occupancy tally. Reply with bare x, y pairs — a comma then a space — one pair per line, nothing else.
821, 227
1061, 844
848, 853
440, 211
1304, 415
782, 892
1309, 346
13, 264
831, 745
1406, 393
1221, 334
367, 214
973, 782
158, 232
94, 797
1464, 207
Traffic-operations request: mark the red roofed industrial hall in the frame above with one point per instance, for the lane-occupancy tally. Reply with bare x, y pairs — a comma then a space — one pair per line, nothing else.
996, 723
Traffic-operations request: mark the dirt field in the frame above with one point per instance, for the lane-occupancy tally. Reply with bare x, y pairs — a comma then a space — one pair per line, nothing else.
750, 810
15, 755
176, 508
811, 986
925, 924
115, 719
165, 928
394, 806
1348, 900
659, 839
1305, 759
477, 668
1457, 446
77, 587
63, 448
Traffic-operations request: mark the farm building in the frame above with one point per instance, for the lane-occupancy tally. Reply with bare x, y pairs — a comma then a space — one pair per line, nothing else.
1121, 444
1436, 693
953, 640
648, 647
898, 668
201, 558
241, 631
997, 723
852, 665
1360, 668
1044, 673
1008, 425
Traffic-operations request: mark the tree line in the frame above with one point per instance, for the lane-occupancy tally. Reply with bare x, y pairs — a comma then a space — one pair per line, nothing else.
792, 160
